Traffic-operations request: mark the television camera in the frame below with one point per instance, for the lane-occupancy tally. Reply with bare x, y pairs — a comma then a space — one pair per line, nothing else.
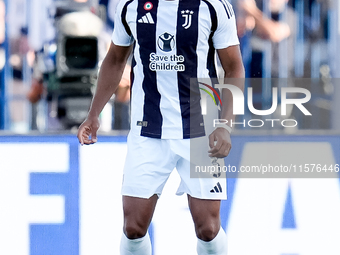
71, 83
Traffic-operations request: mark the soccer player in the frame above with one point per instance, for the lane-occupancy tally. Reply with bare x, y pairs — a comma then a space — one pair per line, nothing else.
172, 41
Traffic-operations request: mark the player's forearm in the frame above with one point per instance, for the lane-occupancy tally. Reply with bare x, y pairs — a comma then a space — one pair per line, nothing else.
108, 80
235, 76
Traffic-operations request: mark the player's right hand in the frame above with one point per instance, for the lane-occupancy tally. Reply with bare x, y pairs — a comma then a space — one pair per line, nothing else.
87, 131
219, 143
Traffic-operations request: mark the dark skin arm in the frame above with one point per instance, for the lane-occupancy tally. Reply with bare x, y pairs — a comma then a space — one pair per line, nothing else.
108, 80
231, 60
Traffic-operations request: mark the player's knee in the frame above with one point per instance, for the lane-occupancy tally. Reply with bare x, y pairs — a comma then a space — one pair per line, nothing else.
207, 232
133, 231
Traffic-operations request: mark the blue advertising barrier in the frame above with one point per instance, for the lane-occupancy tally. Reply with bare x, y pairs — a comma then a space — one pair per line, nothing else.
62, 198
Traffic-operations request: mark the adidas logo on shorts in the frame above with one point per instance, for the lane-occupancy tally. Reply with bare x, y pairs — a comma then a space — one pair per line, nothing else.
217, 188
147, 19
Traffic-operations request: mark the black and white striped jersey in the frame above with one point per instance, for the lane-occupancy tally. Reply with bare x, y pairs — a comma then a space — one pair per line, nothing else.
175, 40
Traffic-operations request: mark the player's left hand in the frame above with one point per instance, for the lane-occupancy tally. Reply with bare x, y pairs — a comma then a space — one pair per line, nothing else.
219, 143
87, 132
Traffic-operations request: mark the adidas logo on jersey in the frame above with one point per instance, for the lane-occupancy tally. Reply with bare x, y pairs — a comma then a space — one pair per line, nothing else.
217, 189
146, 19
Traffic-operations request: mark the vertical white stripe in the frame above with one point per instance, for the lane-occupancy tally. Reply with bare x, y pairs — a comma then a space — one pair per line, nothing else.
137, 93
230, 8
227, 7
204, 28
167, 82
148, 15
145, 20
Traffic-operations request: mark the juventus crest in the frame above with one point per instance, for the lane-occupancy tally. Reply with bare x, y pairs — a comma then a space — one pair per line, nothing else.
188, 17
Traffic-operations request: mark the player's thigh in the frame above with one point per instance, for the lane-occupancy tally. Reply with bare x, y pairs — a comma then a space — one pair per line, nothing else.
205, 212
138, 214
149, 163
203, 184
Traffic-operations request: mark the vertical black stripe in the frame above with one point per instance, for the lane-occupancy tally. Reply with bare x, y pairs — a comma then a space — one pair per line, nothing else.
146, 34
211, 60
225, 8
211, 54
231, 9
219, 186
123, 16
186, 44
132, 74
213, 16
227, 4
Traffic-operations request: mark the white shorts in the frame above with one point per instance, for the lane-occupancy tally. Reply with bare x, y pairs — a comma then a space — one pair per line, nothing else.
149, 163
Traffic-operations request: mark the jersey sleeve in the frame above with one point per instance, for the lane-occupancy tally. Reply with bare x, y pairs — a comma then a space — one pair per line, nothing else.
226, 33
121, 35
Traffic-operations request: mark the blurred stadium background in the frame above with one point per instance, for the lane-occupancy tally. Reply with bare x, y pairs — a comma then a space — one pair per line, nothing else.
58, 198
